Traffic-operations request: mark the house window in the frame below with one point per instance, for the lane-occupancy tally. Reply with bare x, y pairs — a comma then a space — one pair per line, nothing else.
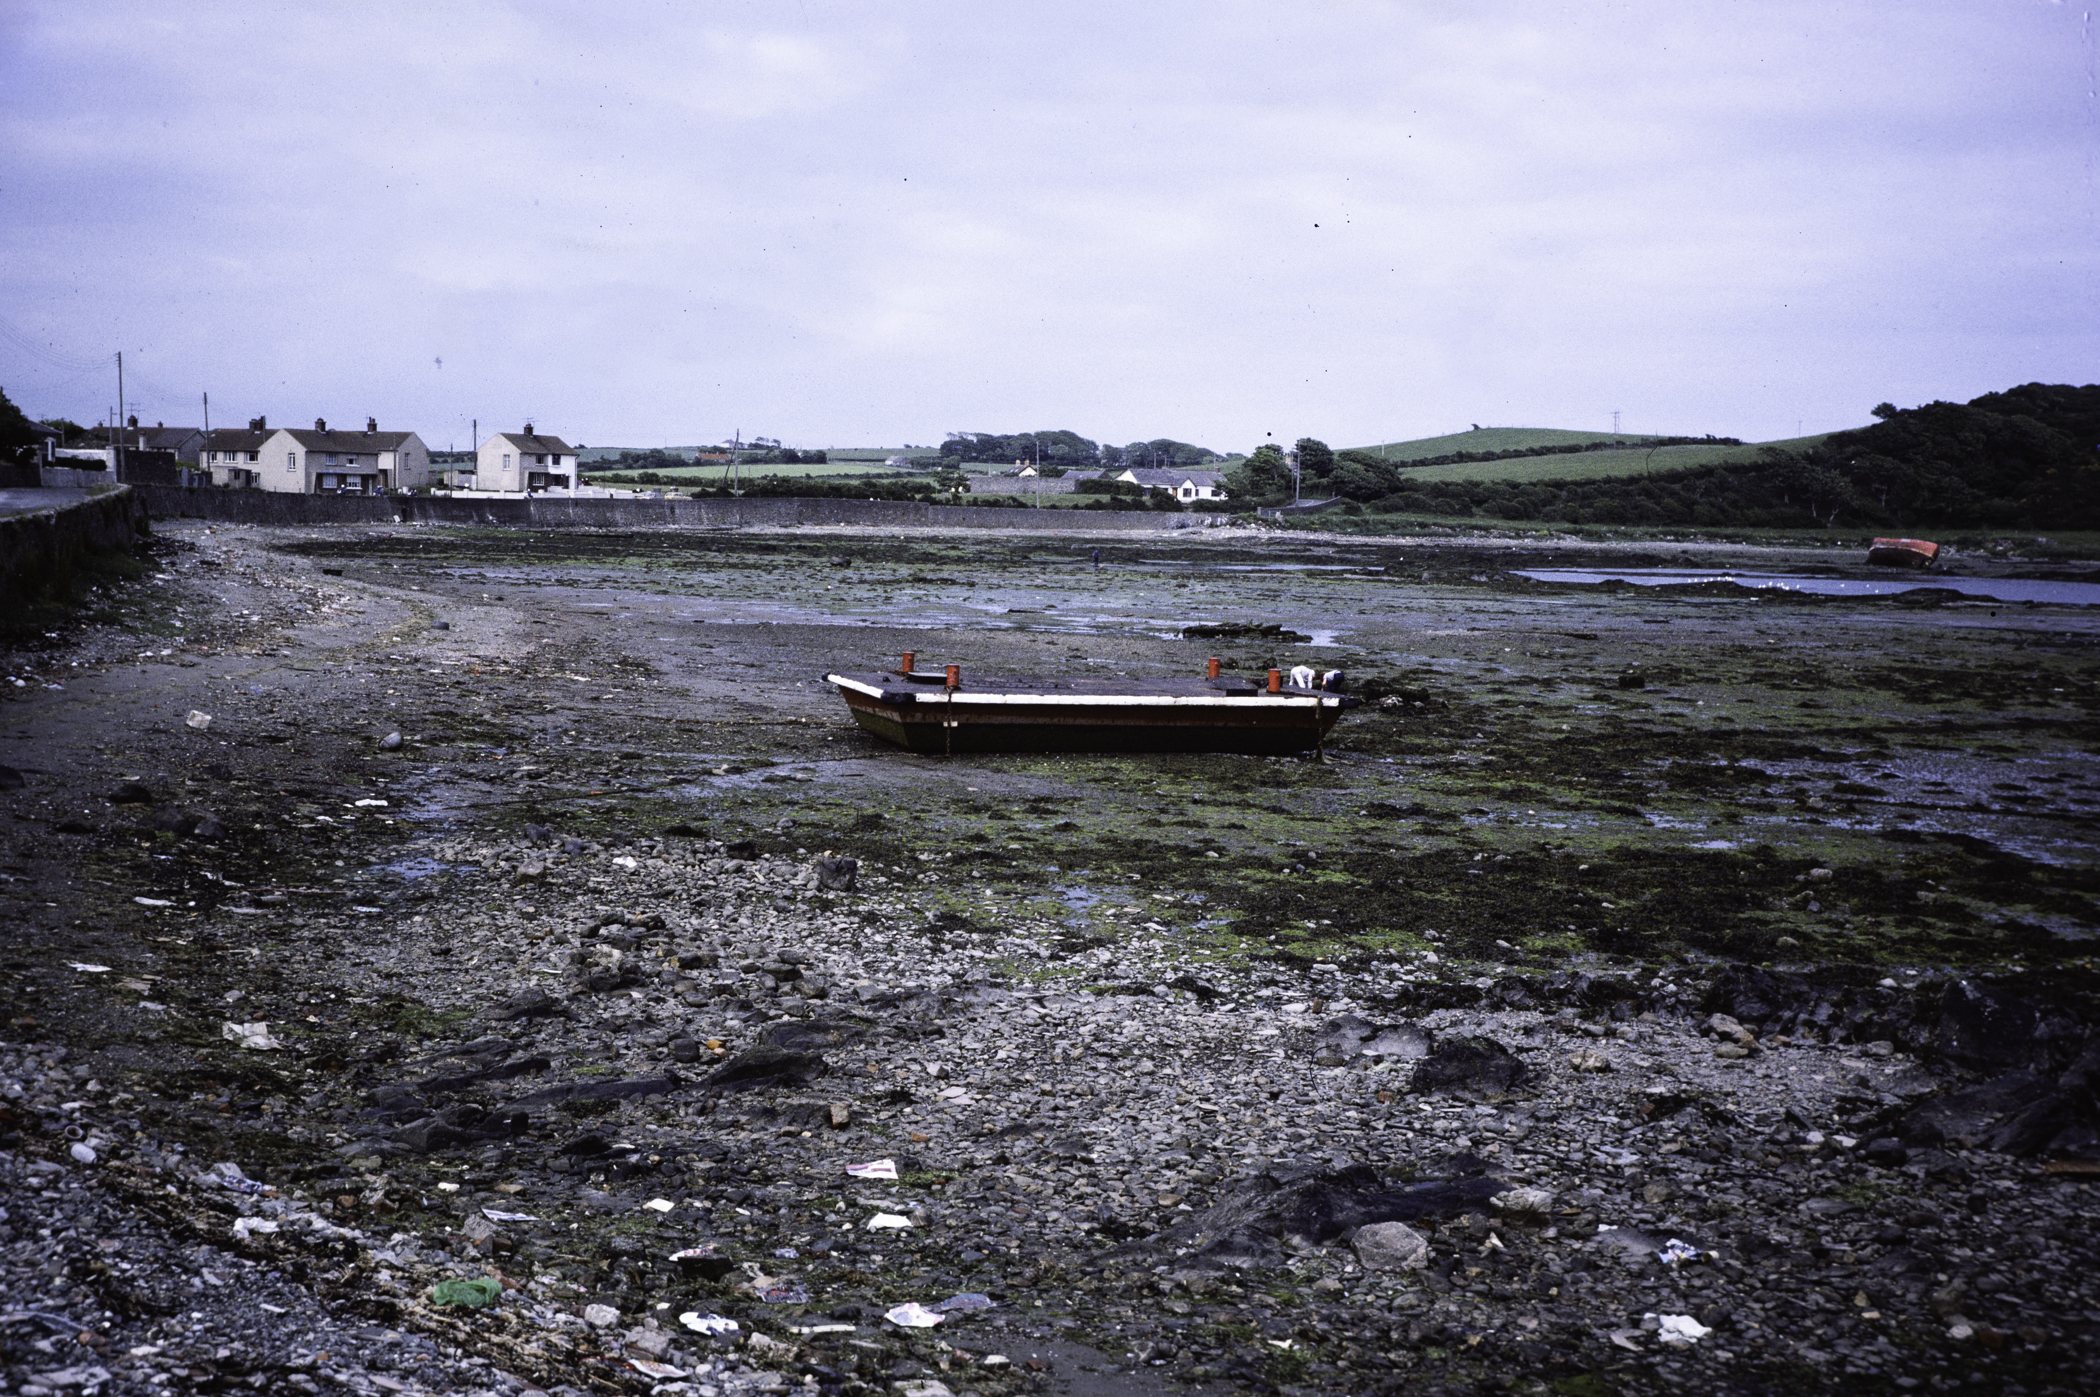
506, 460
255, 456
291, 460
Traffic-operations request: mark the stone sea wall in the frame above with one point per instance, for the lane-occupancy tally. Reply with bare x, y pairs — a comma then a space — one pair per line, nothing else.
543, 512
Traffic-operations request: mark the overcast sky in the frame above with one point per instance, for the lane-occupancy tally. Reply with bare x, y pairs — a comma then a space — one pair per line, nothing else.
868, 223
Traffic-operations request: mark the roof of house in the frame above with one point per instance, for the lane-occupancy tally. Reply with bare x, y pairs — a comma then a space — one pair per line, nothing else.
1166, 479
357, 442
235, 439
536, 444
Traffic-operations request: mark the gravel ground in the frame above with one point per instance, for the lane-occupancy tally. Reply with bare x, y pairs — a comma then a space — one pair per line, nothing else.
382, 1033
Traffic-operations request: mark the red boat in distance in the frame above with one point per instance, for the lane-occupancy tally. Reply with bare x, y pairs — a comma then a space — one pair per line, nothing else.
1902, 553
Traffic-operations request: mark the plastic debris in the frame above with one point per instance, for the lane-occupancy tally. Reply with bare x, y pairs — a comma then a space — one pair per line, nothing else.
369, 802
476, 1294
84, 1153
86, 969
152, 902
659, 1205
1679, 1331
787, 1253
663, 1372
874, 1169
967, 1301
1676, 1251
249, 1035
785, 1295
707, 1324
1627, 1339
600, 1316
886, 1222
498, 1215
913, 1315
247, 1228
226, 1174
696, 1254
198, 719
823, 1329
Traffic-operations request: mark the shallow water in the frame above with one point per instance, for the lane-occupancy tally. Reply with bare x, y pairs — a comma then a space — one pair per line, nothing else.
2005, 589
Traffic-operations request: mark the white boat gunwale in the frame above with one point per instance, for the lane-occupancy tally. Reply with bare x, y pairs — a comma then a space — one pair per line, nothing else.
968, 698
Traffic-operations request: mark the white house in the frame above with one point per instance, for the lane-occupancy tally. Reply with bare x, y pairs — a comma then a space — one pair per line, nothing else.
521, 461
1183, 485
319, 462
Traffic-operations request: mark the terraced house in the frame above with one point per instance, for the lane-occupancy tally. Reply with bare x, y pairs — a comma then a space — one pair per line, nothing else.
524, 461
319, 462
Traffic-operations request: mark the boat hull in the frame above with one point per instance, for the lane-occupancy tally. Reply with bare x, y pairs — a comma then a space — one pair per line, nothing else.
1903, 553
939, 723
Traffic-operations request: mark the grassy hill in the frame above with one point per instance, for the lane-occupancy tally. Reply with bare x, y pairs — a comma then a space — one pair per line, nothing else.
1601, 465
1495, 439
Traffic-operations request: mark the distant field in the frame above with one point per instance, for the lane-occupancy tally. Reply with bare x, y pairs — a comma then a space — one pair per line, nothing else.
1597, 465
1496, 439
714, 472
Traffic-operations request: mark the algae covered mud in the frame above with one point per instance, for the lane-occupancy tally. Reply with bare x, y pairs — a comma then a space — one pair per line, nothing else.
524, 906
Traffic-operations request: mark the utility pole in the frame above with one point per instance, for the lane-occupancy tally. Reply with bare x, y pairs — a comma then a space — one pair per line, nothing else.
1614, 421
116, 458
736, 466
207, 416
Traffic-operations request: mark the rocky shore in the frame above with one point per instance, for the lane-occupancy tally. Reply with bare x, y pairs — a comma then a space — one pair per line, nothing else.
502, 1060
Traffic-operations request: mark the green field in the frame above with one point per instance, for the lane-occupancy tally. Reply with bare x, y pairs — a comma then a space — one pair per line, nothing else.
1496, 439
1604, 465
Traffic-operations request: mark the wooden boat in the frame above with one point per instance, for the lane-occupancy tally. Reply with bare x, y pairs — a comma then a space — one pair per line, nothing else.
1902, 553
937, 712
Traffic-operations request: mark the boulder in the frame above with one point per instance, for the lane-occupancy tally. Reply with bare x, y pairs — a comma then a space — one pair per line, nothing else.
1389, 1246
1348, 1037
1985, 1029
1303, 1205
1479, 1069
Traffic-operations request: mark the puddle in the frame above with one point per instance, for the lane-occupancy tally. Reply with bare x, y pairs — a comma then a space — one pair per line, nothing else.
2004, 589
420, 866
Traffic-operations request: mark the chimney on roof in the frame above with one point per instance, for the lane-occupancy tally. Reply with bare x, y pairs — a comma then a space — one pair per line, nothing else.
132, 421
255, 424
528, 429
320, 424
160, 426
371, 425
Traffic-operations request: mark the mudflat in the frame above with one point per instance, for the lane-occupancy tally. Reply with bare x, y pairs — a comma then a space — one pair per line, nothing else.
1701, 976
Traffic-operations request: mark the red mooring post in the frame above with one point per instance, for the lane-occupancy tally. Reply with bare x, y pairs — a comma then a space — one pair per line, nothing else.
904, 665
955, 676
1275, 681
1213, 667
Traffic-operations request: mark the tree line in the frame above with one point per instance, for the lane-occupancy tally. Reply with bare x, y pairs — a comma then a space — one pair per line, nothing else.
2028, 457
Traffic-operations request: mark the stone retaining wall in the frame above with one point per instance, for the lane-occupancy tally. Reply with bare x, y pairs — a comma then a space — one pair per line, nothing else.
42, 547
553, 512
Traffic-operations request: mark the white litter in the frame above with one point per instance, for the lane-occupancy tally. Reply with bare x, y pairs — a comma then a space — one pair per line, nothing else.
1679, 1331
84, 1153
707, 1324
380, 803
913, 1315
249, 1035
84, 968
659, 1205
246, 1228
198, 719
660, 1371
498, 1215
875, 1169
1675, 1250
152, 902
824, 1329
886, 1222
